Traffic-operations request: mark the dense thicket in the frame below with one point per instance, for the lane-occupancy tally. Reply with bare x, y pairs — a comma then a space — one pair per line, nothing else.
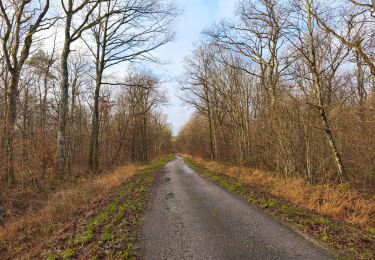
288, 86
62, 111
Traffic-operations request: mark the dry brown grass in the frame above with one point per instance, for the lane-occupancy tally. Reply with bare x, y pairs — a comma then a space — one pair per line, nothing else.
59, 208
337, 201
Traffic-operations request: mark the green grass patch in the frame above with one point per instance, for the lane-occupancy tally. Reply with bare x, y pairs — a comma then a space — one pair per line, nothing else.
106, 235
67, 254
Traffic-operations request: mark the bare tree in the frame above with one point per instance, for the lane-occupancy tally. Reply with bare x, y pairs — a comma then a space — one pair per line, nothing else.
130, 31
42, 63
143, 97
284, 93
314, 65
77, 21
198, 85
356, 30
21, 20
258, 36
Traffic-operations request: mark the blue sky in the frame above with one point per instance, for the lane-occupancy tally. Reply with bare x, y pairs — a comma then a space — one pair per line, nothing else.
197, 15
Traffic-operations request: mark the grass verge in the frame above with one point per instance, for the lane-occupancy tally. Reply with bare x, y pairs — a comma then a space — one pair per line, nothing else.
351, 241
96, 217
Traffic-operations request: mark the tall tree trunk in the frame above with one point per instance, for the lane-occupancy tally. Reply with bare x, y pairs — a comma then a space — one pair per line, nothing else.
4, 129
25, 134
94, 141
133, 136
318, 87
361, 89
10, 122
63, 107
144, 139
43, 124
95, 126
309, 171
210, 125
331, 142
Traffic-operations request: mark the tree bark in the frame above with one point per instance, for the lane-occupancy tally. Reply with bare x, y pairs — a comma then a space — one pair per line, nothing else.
144, 139
318, 87
43, 125
94, 140
25, 122
361, 89
210, 125
63, 107
11, 117
100, 60
332, 143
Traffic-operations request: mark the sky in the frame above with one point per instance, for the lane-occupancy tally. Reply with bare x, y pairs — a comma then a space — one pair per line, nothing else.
197, 15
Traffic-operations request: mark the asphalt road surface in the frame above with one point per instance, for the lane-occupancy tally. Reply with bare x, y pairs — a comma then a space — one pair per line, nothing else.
189, 217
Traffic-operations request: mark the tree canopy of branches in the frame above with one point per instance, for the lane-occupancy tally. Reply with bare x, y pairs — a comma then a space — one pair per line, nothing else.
20, 21
286, 86
56, 85
130, 31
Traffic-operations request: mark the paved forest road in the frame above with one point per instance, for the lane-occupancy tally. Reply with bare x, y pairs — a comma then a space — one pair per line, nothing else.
191, 218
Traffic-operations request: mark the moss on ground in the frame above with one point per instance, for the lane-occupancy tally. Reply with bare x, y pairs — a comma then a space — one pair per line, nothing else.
349, 241
113, 231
